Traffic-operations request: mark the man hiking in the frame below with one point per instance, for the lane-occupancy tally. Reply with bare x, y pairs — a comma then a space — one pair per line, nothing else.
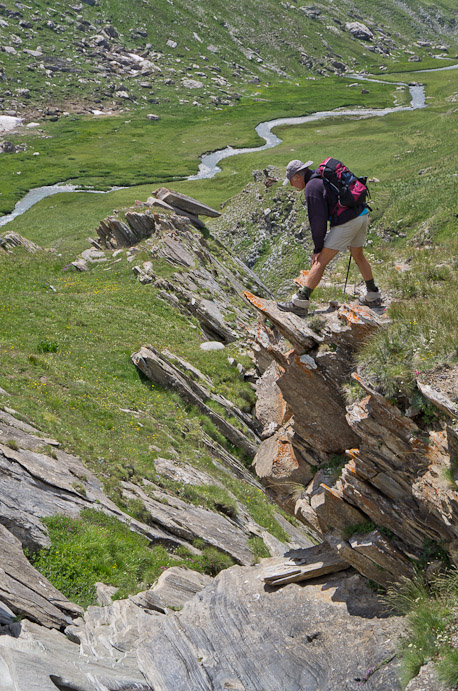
348, 230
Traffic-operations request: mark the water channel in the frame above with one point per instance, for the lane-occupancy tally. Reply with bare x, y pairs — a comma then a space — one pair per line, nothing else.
208, 167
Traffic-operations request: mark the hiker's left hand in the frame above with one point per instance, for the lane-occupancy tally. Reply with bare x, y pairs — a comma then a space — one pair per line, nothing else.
315, 258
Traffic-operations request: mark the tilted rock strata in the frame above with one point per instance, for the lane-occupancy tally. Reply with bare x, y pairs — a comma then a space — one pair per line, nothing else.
158, 369
394, 479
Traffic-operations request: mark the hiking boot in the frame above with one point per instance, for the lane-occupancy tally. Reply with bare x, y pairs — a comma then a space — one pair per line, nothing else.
371, 299
296, 305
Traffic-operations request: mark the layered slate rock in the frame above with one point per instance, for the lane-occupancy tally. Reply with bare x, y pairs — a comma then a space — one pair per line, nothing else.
115, 233
158, 369
11, 240
238, 633
185, 203
39, 659
294, 328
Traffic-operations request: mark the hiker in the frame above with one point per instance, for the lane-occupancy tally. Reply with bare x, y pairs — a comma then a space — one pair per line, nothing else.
348, 230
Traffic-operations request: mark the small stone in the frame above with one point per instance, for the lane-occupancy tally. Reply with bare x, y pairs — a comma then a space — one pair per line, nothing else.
212, 345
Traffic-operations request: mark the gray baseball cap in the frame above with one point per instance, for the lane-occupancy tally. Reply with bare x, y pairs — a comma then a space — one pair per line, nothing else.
294, 167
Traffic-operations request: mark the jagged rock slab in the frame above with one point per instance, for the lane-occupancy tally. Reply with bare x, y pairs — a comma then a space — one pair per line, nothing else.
114, 233
302, 565
397, 477
374, 556
25, 435
439, 399
209, 315
384, 554
27, 592
292, 327
189, 204
267, 347
318, 406
158, 369
239, 634
332, 511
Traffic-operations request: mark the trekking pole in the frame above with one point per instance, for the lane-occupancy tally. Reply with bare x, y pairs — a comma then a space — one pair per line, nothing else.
348, 271
356, 276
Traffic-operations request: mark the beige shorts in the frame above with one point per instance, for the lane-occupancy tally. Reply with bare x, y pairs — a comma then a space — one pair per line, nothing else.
350, 234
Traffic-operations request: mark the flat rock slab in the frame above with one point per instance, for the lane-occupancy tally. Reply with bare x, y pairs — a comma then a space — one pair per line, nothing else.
185, 203
302, 564
240, 634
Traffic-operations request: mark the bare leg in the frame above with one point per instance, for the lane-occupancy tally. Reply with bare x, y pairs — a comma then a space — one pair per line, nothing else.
361, 261
318, 267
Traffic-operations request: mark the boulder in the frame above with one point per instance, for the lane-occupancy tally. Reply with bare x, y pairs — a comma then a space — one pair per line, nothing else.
8, 147
191, 84
359, 30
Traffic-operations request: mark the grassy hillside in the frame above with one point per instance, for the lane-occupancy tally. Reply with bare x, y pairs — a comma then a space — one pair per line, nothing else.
81, 55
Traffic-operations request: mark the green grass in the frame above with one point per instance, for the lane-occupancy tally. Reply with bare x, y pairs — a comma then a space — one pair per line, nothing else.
259, 548
96, 547
431, 611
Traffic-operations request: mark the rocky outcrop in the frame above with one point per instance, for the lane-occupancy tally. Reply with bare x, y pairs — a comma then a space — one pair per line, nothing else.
238, 633
390, 496
115, 233
10, 240
141, 643
35, 484
180, 203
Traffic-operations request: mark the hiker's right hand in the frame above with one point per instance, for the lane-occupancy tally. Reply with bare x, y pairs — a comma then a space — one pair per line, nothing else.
315, 258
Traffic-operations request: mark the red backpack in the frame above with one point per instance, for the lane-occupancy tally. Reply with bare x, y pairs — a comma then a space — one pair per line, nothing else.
351, 191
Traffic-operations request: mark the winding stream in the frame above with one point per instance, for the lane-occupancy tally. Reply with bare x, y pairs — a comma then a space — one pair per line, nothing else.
208, 167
